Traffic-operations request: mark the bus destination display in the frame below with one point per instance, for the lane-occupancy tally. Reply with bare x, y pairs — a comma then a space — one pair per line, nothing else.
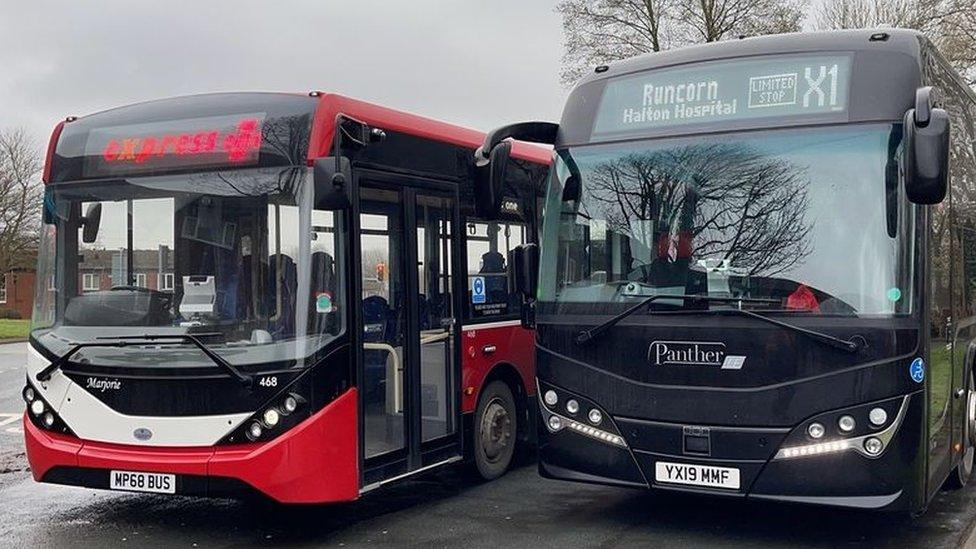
725, 91
208, 142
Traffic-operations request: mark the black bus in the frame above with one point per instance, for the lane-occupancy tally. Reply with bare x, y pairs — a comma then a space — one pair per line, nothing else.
757, 274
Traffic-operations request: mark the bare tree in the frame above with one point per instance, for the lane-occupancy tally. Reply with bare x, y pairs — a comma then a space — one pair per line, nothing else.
601, 31
21, 195
735, 203
950, 24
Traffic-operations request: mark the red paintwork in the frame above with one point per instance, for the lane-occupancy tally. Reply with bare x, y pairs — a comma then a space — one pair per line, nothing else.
317, 461
52, 144
332, 105
314, 462
514, 345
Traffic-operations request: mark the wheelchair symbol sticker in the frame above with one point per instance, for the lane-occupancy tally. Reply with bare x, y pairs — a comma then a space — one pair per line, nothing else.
478, 290
917, 370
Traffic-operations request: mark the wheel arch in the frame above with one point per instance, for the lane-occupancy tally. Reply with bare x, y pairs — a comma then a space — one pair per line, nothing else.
509, 374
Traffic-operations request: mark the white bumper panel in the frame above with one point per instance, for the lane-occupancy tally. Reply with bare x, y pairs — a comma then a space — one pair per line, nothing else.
91, 419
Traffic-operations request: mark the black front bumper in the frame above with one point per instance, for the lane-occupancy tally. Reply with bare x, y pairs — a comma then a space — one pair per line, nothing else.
844, 478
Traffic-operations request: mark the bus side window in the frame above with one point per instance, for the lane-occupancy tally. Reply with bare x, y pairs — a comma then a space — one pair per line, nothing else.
488, 245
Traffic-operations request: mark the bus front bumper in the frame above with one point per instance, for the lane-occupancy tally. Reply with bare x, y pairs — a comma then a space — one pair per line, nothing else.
845, 478
314, 462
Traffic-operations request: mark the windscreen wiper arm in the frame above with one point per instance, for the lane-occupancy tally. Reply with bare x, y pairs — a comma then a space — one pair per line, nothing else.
853, 345
584, 336
165, 339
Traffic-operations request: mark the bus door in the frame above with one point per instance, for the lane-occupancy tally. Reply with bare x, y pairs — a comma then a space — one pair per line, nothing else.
409, 366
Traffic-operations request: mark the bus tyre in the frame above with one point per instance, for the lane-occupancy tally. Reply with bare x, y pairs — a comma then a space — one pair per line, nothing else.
495, 430
963, 472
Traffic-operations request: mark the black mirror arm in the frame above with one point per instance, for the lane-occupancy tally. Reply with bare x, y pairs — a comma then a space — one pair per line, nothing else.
532, 132
926, 99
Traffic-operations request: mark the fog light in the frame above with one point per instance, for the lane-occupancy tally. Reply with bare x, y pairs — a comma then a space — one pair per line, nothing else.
873, 446
846, 423
37, 407
816, 430
254, 431
878, 417
270, 417
48, 419
595, 416
290, 404
572, 406
29, 394
555, 423
551, 398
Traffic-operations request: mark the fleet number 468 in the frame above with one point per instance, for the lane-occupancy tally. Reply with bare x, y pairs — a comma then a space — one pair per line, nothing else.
268, 381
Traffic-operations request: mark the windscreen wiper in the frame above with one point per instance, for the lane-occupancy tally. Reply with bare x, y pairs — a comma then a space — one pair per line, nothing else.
584, 336
853, 345
164, 339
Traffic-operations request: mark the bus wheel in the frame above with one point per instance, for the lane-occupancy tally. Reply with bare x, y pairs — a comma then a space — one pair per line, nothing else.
963, 472
496, 426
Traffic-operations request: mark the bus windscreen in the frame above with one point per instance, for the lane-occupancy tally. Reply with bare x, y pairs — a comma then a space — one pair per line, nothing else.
723, 91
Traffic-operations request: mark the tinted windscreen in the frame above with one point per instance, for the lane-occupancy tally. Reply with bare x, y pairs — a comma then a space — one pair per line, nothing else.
239, 255
803, 219
780, 86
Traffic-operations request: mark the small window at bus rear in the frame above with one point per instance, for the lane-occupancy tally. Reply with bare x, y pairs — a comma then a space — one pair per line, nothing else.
735, 90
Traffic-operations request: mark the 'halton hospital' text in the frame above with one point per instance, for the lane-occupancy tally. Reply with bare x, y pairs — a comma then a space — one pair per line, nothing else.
680, 102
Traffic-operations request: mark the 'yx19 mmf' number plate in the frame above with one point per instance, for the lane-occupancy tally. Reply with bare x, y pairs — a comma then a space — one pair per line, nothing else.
697, 475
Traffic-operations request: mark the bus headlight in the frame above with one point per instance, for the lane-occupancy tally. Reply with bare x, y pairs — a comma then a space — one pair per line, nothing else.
43, 415
868, 442
270, 417
878, 417
254, 431
873, 446
556, 420
282, 412
290, 404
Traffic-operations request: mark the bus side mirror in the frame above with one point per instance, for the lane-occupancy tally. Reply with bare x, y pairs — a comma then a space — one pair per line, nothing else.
491, 162
926, 150
490, 182
523, 278
90, 222
332, 179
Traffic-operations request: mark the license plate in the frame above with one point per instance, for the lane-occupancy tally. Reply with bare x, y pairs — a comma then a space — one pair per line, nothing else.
697, 475
157, 483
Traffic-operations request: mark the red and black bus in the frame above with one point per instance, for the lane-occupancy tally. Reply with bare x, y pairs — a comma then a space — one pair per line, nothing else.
757, 272
288, 294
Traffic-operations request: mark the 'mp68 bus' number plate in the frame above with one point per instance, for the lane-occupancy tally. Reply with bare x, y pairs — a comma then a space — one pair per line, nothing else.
697, 475
159, 483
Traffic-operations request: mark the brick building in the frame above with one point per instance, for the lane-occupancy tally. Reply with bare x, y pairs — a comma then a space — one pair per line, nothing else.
17, 292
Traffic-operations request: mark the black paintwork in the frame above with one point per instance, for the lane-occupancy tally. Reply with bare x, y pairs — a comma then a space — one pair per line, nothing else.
787, 380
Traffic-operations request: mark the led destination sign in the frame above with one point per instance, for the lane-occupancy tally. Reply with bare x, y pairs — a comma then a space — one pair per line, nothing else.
214, 141
725, 91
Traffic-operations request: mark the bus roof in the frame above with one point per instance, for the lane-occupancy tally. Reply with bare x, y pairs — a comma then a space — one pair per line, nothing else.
897, 40
391, 119
74, 142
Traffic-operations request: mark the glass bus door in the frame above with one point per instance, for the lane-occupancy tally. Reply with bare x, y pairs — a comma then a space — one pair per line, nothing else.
409, 368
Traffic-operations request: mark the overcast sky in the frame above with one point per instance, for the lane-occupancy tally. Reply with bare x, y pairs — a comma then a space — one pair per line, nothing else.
476, 63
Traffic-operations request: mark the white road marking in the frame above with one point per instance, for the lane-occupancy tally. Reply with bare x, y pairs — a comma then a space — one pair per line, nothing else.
6, 419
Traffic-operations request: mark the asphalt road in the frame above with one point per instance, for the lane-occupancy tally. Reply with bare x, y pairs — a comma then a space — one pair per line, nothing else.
444, 509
